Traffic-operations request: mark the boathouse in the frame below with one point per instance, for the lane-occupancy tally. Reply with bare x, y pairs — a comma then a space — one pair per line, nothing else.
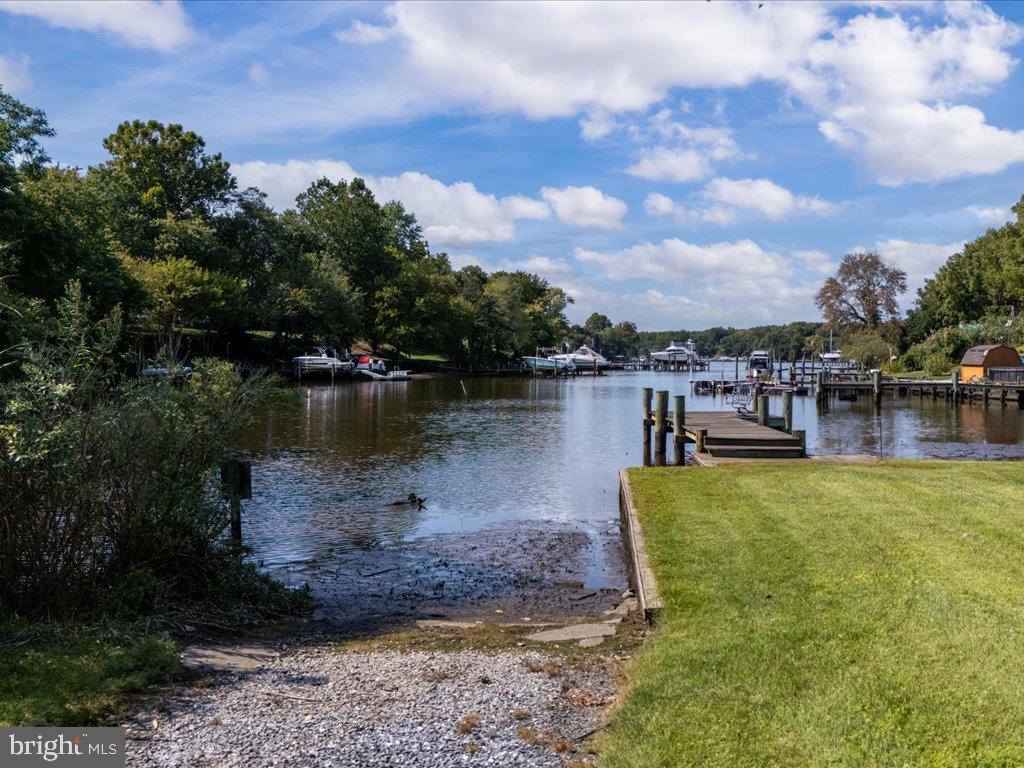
990, 361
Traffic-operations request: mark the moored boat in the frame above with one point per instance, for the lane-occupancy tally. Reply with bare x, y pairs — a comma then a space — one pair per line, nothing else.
584, 358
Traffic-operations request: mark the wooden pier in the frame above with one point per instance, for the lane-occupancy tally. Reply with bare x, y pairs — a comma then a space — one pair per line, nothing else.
952, 389
719, 434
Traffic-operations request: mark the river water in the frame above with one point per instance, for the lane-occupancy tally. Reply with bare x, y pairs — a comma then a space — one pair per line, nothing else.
519, 481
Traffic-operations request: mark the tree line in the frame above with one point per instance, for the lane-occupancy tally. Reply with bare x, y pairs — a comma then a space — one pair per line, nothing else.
162, 230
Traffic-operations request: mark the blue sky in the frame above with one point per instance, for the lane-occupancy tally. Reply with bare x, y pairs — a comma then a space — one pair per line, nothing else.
679, 165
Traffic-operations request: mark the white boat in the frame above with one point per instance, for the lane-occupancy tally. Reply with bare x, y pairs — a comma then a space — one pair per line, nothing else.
830, 359
678, 352
759, 363
321, 361
546, 364
373, 364
584, 358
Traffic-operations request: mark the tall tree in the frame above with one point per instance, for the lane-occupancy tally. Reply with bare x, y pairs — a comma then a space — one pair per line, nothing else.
865, 290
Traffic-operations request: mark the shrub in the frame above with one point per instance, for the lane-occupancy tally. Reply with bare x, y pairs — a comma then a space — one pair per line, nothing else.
937, 364
106, 492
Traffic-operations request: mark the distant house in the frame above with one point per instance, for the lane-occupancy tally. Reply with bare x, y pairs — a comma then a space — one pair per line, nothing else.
990, 361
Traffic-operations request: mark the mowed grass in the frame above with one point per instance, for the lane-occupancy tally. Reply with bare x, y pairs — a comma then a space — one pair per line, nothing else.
830, 615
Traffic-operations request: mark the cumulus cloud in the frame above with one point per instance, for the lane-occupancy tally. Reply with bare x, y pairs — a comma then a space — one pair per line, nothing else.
585, 207
558, 60
723, 201
451, 214
14, 74
733, 282
158, 24
919, 260
677, 260
670, 164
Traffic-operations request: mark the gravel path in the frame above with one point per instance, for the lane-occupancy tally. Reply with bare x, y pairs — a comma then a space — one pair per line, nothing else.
321, 707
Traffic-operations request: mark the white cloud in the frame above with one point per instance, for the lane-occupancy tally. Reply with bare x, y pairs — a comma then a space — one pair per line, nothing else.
667, 164
991, 215
364, 34
543, 266
585, 207
158, 24
919, 260
657, 204
888, 83
14, 74
677, 260
723, 201
451, 214
904, 127
818, 262
560, 59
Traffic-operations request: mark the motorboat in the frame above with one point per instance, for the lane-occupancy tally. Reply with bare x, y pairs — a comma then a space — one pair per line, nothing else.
375, 365
321, 362
394, 375
759, 363
678, 352
547, 364
583, 358
833, 357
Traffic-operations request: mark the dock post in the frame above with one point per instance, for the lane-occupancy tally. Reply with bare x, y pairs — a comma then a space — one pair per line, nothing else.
787, 411
762, 410
820, 387
801, 435
699, 436
877, 386
956, 386
678, 430
648, 395
660, 425
235, 485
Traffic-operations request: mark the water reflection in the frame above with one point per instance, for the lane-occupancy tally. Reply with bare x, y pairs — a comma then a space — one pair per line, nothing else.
504, 462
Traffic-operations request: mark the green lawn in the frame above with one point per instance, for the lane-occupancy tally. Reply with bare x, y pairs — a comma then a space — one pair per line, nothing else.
65, 674
830, 615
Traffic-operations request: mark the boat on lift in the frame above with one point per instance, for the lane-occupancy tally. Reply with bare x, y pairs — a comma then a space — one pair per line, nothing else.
759, 363
678, 352
584, 358
321, 362
833, 357
547, 364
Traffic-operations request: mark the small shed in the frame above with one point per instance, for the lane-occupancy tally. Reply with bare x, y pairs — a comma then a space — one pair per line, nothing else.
979, 360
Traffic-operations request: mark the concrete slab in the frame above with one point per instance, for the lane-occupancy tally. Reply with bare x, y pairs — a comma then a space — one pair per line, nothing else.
226, 658
572, 632
590, 642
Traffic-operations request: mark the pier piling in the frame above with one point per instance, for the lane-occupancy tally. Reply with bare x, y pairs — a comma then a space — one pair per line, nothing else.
787, 411
660, 425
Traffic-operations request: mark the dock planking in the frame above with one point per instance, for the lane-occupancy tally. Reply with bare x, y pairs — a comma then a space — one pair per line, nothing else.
720, 434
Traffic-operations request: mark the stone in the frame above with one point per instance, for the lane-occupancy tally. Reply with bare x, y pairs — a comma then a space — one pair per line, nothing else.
572, 632
226, 658
590, 642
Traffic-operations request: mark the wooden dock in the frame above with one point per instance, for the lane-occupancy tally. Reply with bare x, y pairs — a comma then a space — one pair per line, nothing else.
720, 434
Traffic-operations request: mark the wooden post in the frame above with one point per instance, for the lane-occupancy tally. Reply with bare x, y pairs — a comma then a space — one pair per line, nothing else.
762, 410
787, 411
876, 386
235, 485
678, 428
801, 435
956, 386
660, 423
699, 436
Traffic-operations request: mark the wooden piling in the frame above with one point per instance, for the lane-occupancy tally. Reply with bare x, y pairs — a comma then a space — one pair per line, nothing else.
801, 435
762, 410
787, 411
699, 436
660, 423
956, 386
678, 435
876, 385
235, 485
648, 396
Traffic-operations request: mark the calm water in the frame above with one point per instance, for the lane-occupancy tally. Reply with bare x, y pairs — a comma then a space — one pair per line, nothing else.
503, 465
